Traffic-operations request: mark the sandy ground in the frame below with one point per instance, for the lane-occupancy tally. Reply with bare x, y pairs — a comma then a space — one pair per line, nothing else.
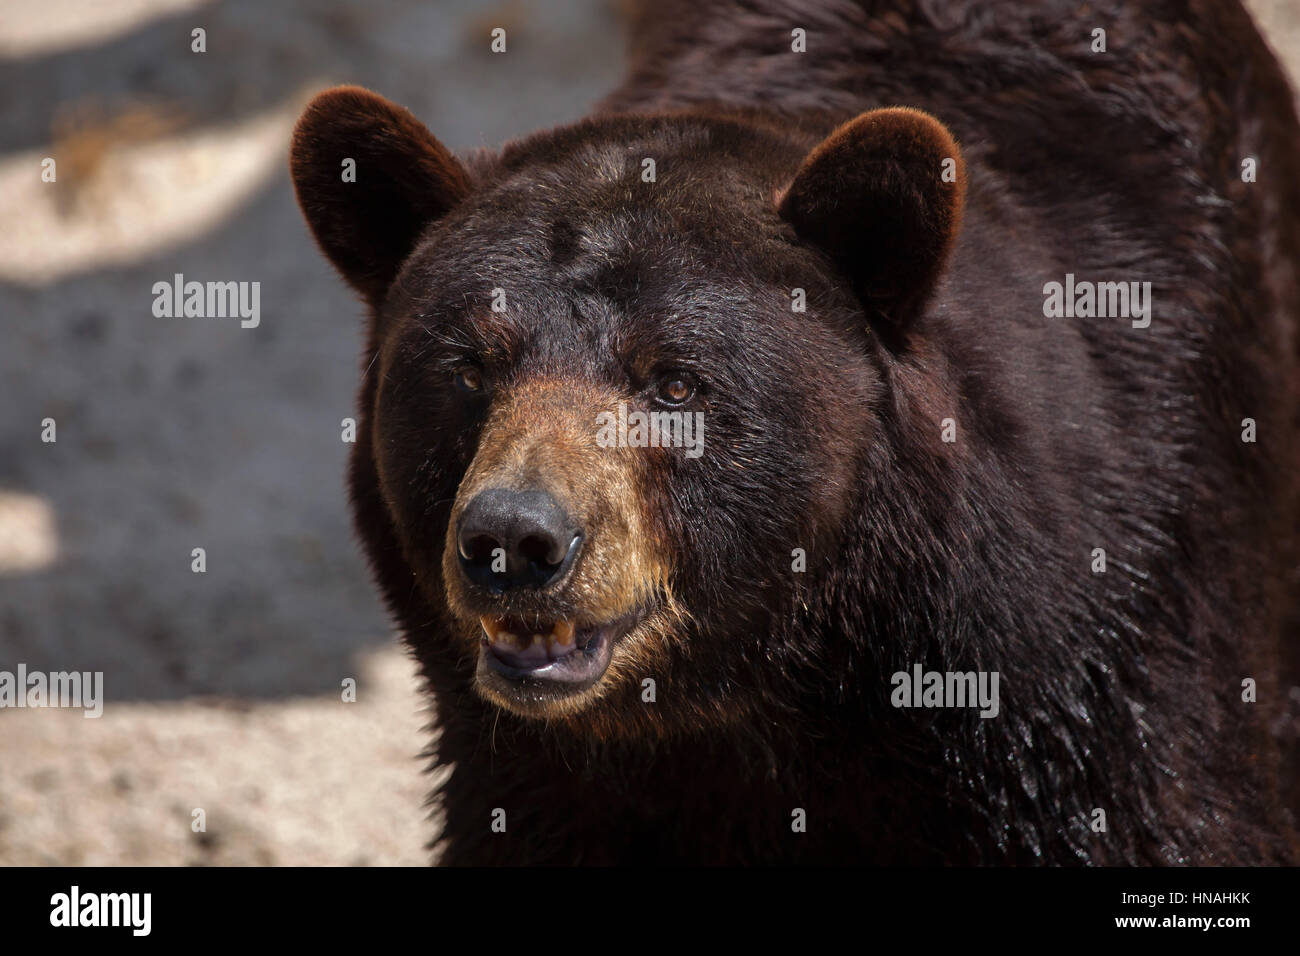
223, 688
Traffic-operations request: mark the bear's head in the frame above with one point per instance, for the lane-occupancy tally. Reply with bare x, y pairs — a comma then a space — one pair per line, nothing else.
620, 385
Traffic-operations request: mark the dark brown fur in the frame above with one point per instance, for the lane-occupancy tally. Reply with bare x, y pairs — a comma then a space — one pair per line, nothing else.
1120, 691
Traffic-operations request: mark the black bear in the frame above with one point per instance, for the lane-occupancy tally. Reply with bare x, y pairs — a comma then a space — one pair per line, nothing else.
872, 436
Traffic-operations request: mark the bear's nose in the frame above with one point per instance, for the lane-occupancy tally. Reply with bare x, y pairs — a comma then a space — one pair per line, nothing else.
515, 539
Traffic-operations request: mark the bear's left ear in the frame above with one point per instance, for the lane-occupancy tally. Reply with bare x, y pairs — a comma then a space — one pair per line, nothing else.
367, 214
882, 196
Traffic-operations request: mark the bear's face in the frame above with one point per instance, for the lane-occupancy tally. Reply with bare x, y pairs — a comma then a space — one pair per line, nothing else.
617, 405
530, 333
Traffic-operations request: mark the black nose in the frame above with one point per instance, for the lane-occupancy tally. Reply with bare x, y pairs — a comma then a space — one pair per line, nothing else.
515, 539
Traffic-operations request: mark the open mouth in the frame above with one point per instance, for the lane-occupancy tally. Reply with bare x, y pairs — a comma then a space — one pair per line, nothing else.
559, 652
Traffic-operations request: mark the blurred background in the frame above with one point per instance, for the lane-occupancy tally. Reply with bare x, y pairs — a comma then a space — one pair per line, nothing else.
223, 689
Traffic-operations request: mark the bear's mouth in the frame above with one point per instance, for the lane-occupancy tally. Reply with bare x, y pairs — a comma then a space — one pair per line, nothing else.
559, 652
530, 665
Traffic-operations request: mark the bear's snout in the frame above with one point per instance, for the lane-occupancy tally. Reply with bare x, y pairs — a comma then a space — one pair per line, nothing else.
552, 562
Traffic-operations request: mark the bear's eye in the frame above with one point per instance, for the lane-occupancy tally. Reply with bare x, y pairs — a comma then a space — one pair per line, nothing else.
675, 388
468, 378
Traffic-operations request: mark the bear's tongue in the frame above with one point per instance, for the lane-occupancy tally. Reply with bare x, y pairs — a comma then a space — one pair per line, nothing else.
529, 646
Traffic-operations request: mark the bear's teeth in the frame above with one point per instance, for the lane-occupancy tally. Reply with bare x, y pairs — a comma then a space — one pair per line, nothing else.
562, 633
495, 629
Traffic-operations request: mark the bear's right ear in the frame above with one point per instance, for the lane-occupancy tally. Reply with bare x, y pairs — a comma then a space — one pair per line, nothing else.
368, 223
882, 197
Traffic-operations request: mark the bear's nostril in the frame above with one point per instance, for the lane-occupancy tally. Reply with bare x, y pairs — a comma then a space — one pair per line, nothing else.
541, 550
478, 548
